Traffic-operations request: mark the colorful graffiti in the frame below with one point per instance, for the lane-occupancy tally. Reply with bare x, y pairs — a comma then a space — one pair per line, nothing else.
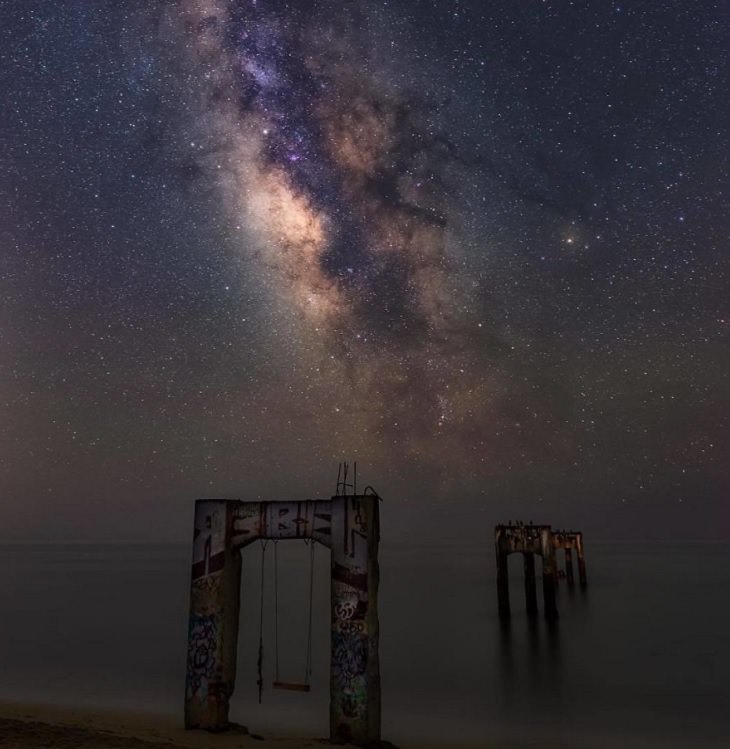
202, 660
349, 657
350, 616
354, 702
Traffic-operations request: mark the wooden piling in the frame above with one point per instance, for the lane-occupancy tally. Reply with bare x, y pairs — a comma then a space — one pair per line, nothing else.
583, 579
569, 565
530, 585
503, 585
549, 575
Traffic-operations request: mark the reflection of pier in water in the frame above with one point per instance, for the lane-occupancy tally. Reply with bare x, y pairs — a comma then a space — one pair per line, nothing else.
530, 540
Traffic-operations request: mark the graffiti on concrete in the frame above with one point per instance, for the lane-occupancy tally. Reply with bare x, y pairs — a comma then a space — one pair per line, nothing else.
306, 519
209, 540
202, 661
354, 702
349, 605
349, 652
350, 637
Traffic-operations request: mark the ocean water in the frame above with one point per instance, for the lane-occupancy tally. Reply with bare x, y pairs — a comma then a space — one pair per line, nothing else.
640, 659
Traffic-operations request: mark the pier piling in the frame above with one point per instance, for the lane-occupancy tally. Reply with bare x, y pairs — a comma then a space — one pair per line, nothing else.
569, 566
529, 540
530, 584
583, 579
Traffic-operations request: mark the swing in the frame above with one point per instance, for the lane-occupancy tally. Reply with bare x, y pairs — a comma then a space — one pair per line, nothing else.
278, 683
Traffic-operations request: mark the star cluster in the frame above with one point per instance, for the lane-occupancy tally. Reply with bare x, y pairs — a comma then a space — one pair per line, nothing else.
478, 247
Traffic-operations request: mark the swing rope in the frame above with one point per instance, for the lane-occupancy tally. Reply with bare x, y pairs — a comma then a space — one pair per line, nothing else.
276, 612
308, 667
260, 662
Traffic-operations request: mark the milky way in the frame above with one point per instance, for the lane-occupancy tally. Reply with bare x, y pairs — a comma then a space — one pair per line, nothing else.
341, 182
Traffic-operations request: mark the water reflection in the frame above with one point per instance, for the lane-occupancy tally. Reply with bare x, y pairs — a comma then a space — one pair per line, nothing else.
532, 655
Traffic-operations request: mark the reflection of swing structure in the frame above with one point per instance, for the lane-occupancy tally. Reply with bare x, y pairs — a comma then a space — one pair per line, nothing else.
348, 526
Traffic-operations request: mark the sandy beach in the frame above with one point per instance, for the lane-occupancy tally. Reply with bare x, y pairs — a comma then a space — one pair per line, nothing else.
43, 726
25, 726
37, 726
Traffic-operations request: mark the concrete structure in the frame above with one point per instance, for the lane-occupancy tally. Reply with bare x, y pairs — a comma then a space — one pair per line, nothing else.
349, 527
527, 540
568, 541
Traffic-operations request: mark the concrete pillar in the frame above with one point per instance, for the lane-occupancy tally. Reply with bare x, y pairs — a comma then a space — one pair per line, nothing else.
548, 574
213, 625
530, 585
581, 560
355, 662
569, 565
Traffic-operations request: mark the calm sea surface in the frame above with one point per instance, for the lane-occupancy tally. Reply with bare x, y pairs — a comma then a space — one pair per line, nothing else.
641, 659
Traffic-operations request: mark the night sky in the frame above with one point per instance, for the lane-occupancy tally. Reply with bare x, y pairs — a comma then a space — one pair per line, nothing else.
479, 247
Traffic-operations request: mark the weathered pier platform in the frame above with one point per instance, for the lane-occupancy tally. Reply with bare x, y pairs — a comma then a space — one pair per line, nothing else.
528, 540
570, 541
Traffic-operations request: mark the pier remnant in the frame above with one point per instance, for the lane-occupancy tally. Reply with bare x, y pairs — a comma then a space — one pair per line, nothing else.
528, 540
349, 527
569, 541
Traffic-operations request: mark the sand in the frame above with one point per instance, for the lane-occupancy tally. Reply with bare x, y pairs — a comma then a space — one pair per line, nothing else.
32, 726
64, 727
25, 726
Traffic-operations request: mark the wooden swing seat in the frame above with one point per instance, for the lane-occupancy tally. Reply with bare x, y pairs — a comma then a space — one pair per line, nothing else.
291, 685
